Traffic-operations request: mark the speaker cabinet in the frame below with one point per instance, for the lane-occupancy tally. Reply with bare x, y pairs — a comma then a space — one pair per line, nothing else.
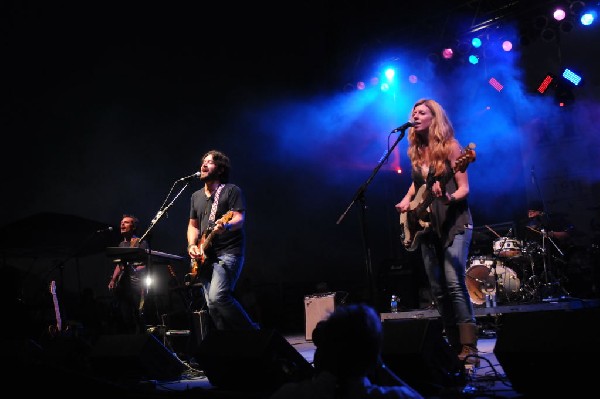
250, 360
404, 277
134, 357
417, 352
541, 351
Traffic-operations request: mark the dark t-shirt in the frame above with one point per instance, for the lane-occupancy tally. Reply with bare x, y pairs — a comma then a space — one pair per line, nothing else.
230, 199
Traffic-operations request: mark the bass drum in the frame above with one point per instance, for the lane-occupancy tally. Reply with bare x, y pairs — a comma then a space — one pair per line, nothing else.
481, 281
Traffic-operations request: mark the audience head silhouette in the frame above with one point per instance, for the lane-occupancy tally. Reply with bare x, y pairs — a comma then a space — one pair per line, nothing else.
355, 326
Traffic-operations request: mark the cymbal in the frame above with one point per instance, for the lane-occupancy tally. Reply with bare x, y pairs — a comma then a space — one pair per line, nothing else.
534, 230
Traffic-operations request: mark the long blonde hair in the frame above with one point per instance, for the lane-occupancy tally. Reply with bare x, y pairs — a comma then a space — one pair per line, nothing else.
439, 140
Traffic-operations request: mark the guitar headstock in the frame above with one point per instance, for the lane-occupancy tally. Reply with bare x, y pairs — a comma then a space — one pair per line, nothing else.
467, 157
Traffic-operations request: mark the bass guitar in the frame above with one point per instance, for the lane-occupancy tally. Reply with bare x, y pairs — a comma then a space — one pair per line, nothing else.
204, 243
415, 222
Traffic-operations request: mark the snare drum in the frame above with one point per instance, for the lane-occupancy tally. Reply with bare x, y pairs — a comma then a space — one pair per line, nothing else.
505, 247
481, 281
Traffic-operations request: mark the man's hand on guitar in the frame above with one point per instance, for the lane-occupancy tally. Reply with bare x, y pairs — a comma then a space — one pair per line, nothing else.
220, 227
194, 251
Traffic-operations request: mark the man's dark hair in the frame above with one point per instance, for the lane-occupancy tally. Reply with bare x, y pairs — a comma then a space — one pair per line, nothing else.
536, 206
136, 221
355, 326
222, 162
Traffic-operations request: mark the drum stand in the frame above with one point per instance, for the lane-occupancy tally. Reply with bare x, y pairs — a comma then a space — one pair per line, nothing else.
490, 298
531, 287
551, 283
492, 292
546, 288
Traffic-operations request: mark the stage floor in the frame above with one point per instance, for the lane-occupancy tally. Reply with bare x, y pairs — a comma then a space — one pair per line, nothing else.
526, 350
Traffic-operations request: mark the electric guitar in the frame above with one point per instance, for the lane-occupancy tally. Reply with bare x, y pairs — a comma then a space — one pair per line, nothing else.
415, 222
204, 243
54, 330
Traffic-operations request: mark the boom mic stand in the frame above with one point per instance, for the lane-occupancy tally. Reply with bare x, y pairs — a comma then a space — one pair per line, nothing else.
359, 196
161, 212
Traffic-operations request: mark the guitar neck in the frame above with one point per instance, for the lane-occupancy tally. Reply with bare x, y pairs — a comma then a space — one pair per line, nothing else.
205, 242
428, 195
56, 306
57, 314
206, 239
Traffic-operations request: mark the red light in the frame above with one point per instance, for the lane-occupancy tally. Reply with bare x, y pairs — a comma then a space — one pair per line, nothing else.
545, 83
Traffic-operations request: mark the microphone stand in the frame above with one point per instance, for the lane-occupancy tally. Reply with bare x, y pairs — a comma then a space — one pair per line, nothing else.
359, 196
163, 209
545, 220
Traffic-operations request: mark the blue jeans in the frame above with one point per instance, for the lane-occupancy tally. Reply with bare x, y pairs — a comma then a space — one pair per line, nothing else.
225, 311
446, 271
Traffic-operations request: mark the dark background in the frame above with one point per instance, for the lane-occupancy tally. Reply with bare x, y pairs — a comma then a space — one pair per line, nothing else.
108, 104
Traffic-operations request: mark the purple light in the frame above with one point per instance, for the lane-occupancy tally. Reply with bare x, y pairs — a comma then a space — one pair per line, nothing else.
495, 84
559, 14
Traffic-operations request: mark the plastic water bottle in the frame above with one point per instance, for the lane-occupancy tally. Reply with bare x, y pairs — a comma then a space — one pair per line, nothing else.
394, 304
488, 301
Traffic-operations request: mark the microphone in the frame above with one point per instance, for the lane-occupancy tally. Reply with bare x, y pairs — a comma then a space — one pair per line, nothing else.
197, 174
509, 232
105, 230
403, 127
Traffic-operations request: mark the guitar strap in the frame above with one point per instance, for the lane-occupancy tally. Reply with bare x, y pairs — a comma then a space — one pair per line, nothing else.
213, 210
430, 181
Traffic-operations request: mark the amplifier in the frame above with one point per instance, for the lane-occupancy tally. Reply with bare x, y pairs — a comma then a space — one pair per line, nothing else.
317, 308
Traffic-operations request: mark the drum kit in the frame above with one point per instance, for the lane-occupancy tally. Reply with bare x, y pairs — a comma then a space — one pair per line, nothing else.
511, 273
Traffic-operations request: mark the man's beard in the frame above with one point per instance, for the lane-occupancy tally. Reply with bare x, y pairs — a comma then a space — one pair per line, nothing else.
210, 176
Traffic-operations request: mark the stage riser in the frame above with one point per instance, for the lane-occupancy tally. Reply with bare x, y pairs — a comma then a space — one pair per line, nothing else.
499, 310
